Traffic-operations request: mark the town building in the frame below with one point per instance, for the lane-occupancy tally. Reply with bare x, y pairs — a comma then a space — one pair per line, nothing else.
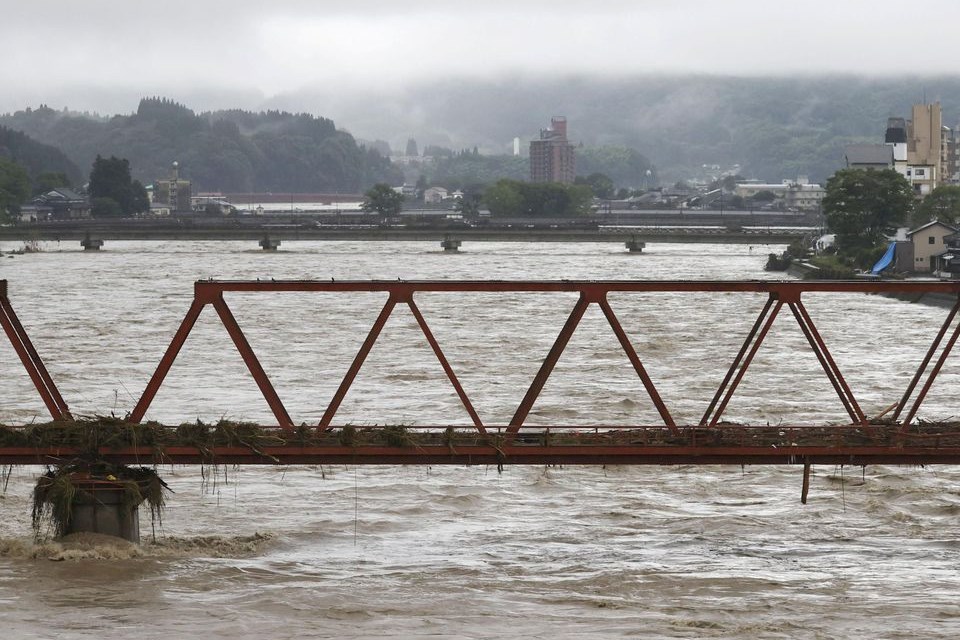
434, 195
174, 191
799, 194
925, 148
929, 241
947, 264
924, 151
870, 156
212, 203
552, 158
58, 204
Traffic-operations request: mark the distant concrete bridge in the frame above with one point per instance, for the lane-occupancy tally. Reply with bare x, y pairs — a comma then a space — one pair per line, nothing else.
137, 231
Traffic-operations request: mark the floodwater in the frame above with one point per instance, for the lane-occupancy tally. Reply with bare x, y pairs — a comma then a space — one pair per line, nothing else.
465, 552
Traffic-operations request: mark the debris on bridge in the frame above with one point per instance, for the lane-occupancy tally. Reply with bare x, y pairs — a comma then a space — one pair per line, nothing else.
88, 444
108, 495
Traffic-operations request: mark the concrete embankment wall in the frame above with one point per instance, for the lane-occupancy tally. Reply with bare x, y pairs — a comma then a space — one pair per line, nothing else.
933, 299
946, 300
800, 269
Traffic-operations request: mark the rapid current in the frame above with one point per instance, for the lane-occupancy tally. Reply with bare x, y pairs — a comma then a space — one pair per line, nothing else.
467, 552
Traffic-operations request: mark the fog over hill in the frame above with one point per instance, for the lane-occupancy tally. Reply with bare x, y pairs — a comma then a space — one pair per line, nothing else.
774, 127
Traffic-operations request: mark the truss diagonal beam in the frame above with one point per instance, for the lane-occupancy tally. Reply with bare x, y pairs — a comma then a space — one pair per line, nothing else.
923, 366
743, 362
933, 376
358, 360
526, 404
464, 399
31, 360
186, 326
252, 362
827, 362
637, 364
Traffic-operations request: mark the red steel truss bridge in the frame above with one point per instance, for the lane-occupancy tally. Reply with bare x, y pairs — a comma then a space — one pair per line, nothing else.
895, 437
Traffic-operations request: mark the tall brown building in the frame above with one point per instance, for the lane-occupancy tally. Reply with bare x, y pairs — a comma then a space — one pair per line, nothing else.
551, 157
174, 191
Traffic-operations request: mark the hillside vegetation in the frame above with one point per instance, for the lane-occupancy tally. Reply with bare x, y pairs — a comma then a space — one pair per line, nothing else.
36, 158
219, 151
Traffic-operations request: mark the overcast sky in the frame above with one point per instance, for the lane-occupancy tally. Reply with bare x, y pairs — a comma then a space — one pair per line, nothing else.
101, 52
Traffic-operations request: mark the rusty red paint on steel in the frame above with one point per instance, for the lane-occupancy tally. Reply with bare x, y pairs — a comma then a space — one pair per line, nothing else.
785, 289
30, 359
590, 292
501, 455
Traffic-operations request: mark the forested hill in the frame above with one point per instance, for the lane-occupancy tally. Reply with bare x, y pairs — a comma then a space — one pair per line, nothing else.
219, 151
36, 157
774, 127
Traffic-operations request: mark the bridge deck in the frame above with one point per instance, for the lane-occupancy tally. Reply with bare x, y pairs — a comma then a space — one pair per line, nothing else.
229, 443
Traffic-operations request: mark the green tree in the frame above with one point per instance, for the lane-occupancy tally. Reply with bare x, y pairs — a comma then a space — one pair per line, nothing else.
942, 204
48, 181
139, 200
862, 206
465, 168
469, 204
625, 166
735, 202
547, 199
14, 187
600, 183
105, 208
729, 183
382, 199
504, 199
110, 178
421, 186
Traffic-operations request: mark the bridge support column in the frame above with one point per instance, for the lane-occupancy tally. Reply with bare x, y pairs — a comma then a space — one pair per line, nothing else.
269, 244
450, 245
635, 246
805, 488
91, 244
102, 506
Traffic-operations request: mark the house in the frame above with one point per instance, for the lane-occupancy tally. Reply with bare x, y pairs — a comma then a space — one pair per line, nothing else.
58, 204
929, 241
34, 212
160, 209
434, 194
212, 204
948, 262
868, 156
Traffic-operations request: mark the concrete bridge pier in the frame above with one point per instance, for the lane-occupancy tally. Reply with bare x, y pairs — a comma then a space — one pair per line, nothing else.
450, 244
91, 244
100, 506
635, 246
269, 244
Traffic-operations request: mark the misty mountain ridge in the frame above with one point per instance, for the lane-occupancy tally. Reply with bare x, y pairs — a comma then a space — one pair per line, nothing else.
774, 128
227, 151
34, 156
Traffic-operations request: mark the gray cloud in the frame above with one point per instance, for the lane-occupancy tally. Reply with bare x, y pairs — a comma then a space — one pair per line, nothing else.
241, 48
